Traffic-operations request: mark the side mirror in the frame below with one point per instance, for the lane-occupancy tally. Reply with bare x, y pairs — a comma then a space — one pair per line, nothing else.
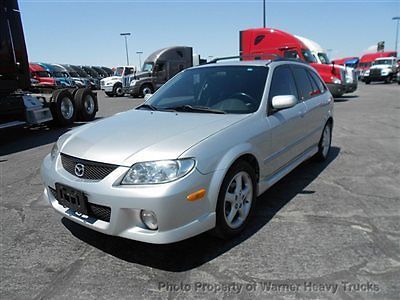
285, 101
147, 97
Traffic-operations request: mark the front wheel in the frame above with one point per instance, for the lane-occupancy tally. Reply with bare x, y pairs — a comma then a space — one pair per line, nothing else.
145, 89
117, 90
235, 200
324, 145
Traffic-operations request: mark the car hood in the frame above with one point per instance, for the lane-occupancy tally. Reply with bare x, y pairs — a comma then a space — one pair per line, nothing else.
141, 135
111, 78
381, 67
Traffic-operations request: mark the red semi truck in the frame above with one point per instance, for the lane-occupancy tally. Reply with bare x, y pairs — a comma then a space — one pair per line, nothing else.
273, 41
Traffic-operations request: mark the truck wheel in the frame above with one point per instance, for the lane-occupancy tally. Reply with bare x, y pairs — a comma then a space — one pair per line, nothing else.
117, 90
63, 107
145, 89
367, 81
388, 79
109, 94
86, 104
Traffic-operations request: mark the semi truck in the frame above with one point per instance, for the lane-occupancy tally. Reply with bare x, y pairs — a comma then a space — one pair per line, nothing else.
367, 59
112, 85
382, 69
259, 41
158, 68
321, 57
24, 104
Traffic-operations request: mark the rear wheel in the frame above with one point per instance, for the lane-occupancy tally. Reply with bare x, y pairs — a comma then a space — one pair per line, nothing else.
63, 107
86, 104
324, 145
235, 200
109, 94
367, 81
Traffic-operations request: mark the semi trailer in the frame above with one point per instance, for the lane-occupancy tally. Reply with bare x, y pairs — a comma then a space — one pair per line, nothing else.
22, 103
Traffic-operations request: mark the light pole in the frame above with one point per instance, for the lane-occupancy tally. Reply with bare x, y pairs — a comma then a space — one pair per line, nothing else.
139, 53
264, 14
397, 19
125, 34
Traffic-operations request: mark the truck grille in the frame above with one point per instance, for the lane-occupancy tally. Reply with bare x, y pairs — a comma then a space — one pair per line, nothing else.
375, 72
91, 170
96, 211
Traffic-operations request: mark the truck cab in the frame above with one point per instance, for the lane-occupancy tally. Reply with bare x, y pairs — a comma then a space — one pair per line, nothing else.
41, 75
382, 69
157, 69
78, 80
322, 58
367, 59
261, 41
112, 85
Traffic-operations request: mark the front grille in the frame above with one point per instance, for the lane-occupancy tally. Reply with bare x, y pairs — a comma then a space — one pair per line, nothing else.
92, 170
374, 72
96, 211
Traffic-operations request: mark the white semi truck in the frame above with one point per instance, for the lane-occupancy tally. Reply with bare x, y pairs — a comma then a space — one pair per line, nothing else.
322, 58
112, 85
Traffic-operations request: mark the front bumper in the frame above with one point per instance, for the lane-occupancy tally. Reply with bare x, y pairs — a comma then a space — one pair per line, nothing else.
177, 217
371, 78
350, 87
336, 90
107, 88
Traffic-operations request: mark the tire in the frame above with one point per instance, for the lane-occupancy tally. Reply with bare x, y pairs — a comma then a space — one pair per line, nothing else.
109, 94
117, 90
63, 107
86, 104
367, 81
234, 208
388, 79
145, 89
324, 145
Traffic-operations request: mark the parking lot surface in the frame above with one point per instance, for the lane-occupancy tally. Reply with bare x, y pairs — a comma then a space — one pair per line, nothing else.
325, 231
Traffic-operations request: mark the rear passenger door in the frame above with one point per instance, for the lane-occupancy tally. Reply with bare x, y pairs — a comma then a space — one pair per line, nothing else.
286, 125
312, 92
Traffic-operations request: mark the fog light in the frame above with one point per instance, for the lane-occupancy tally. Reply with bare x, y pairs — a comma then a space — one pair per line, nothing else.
149, 219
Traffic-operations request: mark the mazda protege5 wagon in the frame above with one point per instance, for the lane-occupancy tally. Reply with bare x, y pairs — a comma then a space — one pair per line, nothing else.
195, 156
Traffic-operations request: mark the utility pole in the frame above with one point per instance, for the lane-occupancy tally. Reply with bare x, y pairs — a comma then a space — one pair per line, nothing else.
125, 34
397, 19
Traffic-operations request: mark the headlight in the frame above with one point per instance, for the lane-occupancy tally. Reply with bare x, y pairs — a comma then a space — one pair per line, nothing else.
385, 72
154, 172
336, 80
133, 82
366, 73
54, 152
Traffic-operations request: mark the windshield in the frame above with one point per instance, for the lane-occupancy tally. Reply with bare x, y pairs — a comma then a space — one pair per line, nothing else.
60, 74
73, 74
81, 72
308, 56
383, 62
42, 74
323, 58
147, 67
118, 71
226, 89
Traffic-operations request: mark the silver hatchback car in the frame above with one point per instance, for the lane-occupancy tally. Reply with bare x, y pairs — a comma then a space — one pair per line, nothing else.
195, 156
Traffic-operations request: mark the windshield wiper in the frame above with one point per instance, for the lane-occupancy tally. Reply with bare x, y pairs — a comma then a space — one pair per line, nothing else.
189, 108
148, 106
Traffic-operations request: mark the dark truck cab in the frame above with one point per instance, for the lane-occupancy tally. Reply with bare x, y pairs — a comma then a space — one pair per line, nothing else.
157, 69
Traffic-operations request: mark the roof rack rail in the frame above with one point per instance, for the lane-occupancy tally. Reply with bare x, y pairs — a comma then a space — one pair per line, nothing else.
257, 56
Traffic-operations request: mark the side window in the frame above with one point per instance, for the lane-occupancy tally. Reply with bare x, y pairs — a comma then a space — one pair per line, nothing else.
282, 83
303, 83
315, 89
291, 54
128, 71
321, 85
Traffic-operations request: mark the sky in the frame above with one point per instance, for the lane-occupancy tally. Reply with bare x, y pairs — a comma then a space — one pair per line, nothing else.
88, 32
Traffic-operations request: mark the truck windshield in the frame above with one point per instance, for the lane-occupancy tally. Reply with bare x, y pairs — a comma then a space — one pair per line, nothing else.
219, 89
323, 58
147, 67
42, 74
60, 74
383, 62
119, 71
308, 56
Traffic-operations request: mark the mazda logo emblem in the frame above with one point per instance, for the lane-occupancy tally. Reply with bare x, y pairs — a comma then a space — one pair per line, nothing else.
79, 170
